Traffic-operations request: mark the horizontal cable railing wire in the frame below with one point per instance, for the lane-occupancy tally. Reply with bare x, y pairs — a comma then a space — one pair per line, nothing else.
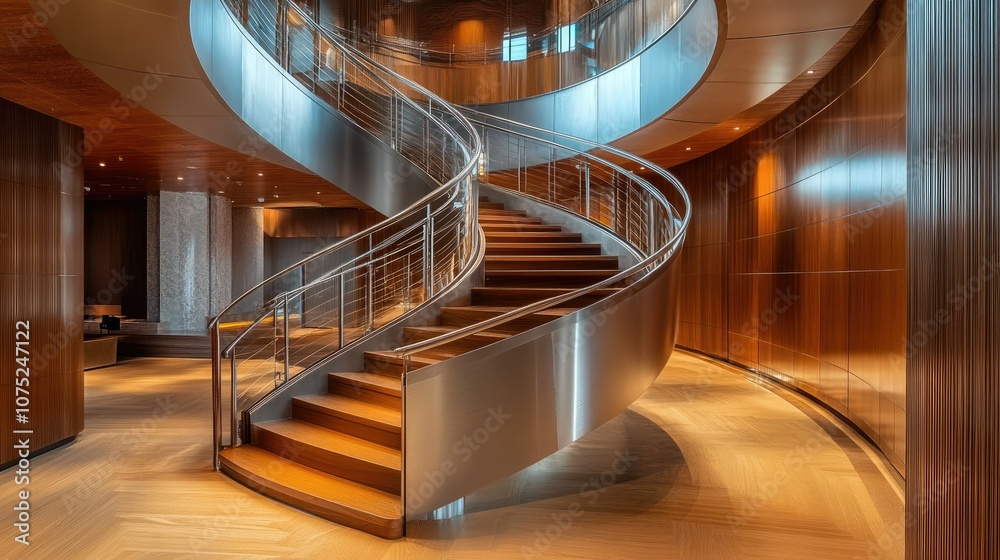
345, 292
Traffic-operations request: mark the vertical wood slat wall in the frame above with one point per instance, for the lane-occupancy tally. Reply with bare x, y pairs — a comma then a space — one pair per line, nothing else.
953, 460
796, 262
41, 273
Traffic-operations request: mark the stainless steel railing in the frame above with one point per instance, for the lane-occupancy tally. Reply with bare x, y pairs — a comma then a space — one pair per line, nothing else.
557, 57
344, 293
574, 178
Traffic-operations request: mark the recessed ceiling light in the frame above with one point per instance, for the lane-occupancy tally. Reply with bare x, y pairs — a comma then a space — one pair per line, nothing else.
736, 128
642, 168
260, 199
811, 72
260, 174
222, 192
317, 192
688, 148
192, 167
275, 196
180, 178
120, 158
102, 164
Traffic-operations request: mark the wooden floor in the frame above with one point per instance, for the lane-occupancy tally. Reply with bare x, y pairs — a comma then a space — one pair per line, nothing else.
709, 464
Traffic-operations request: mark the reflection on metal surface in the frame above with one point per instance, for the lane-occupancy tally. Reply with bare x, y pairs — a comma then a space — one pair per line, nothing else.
631, 95
484, 415
370, 279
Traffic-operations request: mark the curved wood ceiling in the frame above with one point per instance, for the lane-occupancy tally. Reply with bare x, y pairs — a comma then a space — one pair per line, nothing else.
141, 152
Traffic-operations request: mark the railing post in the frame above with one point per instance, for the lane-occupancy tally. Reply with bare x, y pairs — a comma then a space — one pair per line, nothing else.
585, 191
342, 324
343, 81
369, 298
234, 406
406, 285
287, 347
650, 225
216, 396
429, 255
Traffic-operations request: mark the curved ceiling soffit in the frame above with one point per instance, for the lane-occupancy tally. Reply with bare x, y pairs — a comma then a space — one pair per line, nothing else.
134, 44
764, 45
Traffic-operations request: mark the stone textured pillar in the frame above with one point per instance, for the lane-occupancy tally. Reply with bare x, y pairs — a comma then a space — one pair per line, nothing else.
221, 259
953, 368
153, 259
185, 289
248, 254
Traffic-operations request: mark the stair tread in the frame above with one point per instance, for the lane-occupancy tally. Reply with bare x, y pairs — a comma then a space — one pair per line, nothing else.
421, 359
500, 310
327, 403
381, 383
547, 292
334, 442
438, 330
554, 272
349, 503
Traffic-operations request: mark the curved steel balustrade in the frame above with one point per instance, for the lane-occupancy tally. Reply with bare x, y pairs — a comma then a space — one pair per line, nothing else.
519, 65
533, 393
344, 293
555, 383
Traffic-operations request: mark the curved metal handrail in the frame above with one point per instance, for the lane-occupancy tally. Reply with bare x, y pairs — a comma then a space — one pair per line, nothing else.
382, 257
583, 38
650, 260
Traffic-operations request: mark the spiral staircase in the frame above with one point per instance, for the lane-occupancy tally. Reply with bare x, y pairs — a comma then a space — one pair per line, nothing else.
525, 297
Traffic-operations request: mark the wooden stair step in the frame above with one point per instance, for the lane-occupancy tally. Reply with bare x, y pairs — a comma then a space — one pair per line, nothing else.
508, 219
465, 344
385, 390
332, 452
388, 363
532, 237
547, 278
527, 228
341, 501
543, 249
472, 315
354, 417
485, 212
525, 296
551, 262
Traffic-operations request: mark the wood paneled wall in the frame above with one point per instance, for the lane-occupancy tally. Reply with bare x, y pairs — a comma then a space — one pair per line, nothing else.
953, 452
318, 222
41, 274
796, 262
115, 255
